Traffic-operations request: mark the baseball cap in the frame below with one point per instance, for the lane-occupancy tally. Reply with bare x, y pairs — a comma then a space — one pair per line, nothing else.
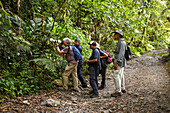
77, 39
119, 32
92, 43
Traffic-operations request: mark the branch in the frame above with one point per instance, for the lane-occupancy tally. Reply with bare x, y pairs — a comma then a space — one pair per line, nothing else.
56, 17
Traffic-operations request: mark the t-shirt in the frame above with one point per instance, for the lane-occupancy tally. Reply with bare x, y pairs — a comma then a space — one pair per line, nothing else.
69, 55
95, 54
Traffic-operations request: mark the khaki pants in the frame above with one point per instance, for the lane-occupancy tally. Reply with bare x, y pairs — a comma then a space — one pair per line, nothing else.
70, 69
119, 79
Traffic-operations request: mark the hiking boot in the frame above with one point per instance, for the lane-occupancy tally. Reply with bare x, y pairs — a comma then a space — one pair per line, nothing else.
123, 91
76, 90
117, 94
100, 87
94, 96
83, 86
61, 89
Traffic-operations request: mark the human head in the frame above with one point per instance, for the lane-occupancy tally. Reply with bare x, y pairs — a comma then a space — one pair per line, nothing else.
77, 42
66, 41
118, 34
92, 44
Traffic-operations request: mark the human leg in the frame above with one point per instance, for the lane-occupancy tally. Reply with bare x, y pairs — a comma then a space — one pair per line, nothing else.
93, 82
103, 73
80, 76
117, 80
68, 70
122, 80
74, 75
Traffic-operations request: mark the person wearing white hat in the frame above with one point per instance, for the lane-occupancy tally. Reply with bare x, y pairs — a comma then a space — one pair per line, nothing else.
103, 57
119, 64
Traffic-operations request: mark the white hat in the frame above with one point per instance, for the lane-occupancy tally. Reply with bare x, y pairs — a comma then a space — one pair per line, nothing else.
97, 45
119, 32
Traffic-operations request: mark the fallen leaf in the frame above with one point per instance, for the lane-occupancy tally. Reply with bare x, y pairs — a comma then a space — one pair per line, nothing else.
141, 98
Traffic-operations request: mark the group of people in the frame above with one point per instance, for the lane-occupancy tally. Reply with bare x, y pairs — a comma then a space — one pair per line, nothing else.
97, 64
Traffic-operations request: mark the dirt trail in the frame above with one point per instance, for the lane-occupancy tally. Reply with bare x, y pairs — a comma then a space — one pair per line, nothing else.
147, 84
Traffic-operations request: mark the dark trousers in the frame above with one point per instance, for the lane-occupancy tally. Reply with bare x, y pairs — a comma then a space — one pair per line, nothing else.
80, 76
103, 73
94, 72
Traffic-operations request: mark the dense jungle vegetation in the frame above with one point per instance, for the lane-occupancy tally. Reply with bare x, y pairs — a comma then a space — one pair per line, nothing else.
29, 61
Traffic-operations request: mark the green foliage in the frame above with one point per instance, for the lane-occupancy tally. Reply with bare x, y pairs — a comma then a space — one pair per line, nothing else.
30, 61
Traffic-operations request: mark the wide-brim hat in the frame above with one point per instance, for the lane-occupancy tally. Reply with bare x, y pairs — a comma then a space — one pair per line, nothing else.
119, 32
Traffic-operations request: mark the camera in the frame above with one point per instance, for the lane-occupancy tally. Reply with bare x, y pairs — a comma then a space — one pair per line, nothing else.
58, 41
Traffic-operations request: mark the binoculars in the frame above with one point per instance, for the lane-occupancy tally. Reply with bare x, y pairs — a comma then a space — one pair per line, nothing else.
58, 41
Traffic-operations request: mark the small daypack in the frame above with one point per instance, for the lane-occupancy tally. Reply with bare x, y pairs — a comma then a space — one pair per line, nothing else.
127, 53
77, 54
109, 58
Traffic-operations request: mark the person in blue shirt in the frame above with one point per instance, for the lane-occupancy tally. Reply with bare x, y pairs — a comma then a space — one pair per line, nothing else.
80, 76
103, 57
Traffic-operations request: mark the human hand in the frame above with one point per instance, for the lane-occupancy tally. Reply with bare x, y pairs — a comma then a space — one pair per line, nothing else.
56, 43
116, 66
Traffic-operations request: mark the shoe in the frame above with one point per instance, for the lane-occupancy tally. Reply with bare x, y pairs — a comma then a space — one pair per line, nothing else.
83, 86
117, 94
94, 96
123, 91
100, 87
61, 89
76, 90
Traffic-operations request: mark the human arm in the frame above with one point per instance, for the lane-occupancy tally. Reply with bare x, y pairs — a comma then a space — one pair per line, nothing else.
58, 49
94, 60
104, 55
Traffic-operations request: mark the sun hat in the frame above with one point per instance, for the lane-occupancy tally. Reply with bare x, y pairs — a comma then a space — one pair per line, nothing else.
119, 32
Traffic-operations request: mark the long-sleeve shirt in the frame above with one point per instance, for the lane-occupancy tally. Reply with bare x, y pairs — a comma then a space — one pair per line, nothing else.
120, 53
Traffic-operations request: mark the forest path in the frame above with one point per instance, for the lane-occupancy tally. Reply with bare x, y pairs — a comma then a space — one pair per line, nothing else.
148, 91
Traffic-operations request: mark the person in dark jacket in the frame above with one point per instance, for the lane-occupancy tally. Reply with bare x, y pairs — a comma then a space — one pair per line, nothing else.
94, 67
80, 76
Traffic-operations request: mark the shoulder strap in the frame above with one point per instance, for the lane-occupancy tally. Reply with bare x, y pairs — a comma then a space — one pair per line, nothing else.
69, 50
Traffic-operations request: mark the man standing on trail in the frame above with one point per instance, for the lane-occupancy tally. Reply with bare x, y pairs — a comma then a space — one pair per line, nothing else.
119, 64
80, 76
94, 67
103, 57
71, 68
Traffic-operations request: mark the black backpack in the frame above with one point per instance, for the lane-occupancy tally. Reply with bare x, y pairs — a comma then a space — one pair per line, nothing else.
127, 53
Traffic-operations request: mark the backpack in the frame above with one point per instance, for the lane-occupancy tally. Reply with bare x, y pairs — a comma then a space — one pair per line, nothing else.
109, 58
77, 54
127, 53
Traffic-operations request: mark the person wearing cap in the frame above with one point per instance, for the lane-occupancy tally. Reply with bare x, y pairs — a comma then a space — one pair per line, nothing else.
103, 57
71, 68
80, 76
94, 67
119, 64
